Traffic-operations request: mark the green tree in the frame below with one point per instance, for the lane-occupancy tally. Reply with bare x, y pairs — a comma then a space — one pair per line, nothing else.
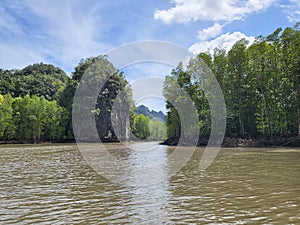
290, 39
260, 82
37, 119
55, 121
173, 120
157, 130
141, 127
6, 118
114, 92
237, 103
37, 79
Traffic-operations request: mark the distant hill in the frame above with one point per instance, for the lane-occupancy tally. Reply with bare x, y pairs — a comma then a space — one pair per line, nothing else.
38, 79
153, 115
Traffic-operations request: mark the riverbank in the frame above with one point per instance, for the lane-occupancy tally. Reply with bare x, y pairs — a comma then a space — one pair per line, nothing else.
14, 142
227, 142
245, 142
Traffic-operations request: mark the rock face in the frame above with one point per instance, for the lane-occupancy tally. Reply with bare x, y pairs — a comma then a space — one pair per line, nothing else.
153, 115
120, 118
113, 122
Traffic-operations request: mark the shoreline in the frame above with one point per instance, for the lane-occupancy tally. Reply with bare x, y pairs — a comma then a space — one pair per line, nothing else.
234, 142
231, 142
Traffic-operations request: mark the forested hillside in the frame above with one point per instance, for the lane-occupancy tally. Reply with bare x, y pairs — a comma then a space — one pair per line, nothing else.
36, 105
261, 86
28, 105
36, 102
152, 114
38, 79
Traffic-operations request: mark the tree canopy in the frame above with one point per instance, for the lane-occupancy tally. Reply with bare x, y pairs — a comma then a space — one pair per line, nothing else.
38, 79
260, 82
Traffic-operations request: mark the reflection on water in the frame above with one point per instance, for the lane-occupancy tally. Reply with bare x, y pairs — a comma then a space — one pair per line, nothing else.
148, 183
54, 184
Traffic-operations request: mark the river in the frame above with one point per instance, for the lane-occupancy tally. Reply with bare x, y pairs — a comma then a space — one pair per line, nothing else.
53, 184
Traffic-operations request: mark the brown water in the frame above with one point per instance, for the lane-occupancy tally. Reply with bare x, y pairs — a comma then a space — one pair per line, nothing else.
54, 185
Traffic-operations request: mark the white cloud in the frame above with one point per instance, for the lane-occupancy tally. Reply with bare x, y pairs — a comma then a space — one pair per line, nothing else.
210, 10
210, 32
15, 53
70, 32
9, 23
65, 31
292, 10
146, 69
15, 57
225, 41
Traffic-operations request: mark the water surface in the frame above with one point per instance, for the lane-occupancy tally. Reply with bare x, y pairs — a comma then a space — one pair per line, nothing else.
55, 185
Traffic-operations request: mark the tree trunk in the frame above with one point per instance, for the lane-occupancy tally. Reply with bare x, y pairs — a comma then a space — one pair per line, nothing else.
298, 111
298, 102
242, 129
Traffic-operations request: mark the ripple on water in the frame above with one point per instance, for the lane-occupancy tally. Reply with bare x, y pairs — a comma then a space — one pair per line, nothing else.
54, 185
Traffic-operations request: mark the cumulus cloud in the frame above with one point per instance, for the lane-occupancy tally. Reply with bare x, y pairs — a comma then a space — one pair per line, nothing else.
210, 32
210, 10
224, 41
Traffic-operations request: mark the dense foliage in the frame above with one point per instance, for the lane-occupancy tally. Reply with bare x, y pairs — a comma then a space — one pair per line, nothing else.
114, 102
32, 119
36, 102
29, 111
157, 130
141, 126
154, 128
37, 79
260, 82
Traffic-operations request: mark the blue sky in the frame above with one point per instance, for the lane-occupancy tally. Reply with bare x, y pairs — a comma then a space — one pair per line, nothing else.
62, 32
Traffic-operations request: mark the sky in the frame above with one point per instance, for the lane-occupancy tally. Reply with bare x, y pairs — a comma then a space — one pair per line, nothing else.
62, 32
